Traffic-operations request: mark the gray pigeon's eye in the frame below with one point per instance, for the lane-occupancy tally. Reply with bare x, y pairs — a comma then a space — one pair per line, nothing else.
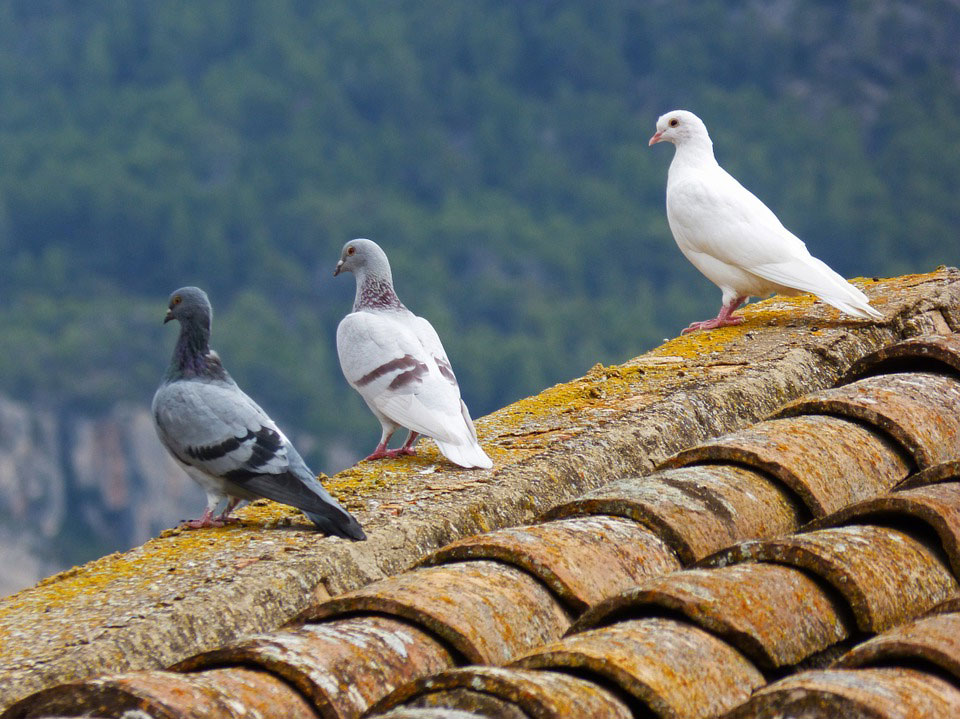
674, 122
177, 300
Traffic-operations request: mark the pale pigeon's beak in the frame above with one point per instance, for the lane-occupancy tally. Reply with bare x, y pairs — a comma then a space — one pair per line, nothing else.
337, 269
168, 317
657, 136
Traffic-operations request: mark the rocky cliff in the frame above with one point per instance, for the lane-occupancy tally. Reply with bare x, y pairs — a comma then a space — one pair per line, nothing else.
73, 487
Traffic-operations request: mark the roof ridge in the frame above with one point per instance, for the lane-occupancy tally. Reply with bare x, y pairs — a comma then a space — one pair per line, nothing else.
557, 456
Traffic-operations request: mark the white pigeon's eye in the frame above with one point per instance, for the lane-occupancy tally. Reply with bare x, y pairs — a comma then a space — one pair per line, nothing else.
351, 250
674, 122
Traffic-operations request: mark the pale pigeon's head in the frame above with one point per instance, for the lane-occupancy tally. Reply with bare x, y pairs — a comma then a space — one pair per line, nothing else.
363, 255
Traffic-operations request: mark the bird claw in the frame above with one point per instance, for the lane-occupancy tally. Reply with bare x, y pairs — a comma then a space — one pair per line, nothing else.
203, 523
390, 453
712, 324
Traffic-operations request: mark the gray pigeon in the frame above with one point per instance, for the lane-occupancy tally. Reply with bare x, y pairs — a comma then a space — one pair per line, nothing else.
396, 362
223, 440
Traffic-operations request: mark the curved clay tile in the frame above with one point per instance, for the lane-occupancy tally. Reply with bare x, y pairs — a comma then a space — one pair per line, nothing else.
501, 692
939, 353
917, 409
933, 640
669, 666
582, 560
887, 576
216, 694
697, 510
936, 505
948, 471
776, 615
828, 462
487, 611
866, 693
342, 666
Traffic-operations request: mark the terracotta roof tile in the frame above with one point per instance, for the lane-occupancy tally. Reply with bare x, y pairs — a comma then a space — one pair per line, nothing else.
221, 693
936, 506
827, 461
697, 510
775, 615
913, 408
489, 612
582, 560
672, 667
886, 575
934, 640
495, 691
341, 666
873, 693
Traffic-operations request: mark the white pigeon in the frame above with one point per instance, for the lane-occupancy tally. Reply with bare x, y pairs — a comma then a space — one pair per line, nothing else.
221, 437
395, 360
733, 238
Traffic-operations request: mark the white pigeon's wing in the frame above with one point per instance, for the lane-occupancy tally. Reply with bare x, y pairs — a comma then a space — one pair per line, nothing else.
710, 212
385, 361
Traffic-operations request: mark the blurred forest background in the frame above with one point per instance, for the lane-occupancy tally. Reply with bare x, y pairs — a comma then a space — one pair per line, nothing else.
496, 149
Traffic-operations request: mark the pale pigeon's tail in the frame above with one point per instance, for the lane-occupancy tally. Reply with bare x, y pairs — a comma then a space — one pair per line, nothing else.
467, 453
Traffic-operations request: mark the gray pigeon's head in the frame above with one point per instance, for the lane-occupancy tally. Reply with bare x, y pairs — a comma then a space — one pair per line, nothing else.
680, 127
189, 305
363, 255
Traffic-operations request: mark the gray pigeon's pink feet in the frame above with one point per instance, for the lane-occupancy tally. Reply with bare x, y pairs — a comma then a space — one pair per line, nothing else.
713, 324
400, 451
207, 520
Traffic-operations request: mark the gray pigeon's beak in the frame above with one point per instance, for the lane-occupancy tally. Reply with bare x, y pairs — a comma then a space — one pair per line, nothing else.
655, 139
168, 317
336, 270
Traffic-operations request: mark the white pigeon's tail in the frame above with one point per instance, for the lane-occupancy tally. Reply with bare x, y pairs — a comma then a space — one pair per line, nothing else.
839, 293
809, 274
467, 453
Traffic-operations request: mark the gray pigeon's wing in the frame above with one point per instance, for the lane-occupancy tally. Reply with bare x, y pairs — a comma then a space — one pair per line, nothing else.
216, 428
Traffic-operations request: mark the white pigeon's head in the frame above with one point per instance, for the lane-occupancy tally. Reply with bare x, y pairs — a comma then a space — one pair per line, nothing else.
360, 255
680, 127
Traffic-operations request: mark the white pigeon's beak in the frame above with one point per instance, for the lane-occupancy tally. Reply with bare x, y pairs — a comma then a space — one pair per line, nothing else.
657, 136
336, 270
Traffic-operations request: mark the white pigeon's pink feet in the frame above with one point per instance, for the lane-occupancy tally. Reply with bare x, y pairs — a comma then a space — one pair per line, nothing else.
713, 324
724, 319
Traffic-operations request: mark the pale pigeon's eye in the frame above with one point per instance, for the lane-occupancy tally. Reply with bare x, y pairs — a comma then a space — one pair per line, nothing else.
674, 122
351, 250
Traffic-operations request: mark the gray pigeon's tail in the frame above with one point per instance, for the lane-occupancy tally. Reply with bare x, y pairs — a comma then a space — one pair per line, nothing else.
338, 523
